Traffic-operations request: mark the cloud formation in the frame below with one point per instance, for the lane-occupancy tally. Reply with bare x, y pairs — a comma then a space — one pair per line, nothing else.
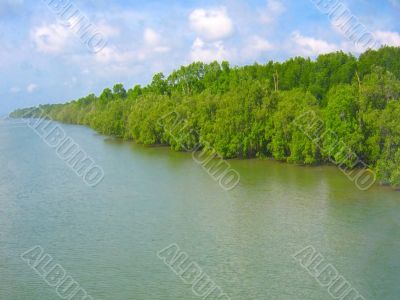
271, 12
208, 52
256, 46
52, 38
387, 38
142, 40
31, 88
211, 24
309, 46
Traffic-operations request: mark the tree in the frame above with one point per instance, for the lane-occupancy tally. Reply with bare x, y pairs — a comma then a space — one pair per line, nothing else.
119, 92
335, 108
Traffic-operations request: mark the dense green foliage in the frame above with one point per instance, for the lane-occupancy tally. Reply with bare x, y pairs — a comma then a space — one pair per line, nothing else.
250, 111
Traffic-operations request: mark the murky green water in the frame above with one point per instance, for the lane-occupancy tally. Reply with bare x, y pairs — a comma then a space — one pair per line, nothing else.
107, 237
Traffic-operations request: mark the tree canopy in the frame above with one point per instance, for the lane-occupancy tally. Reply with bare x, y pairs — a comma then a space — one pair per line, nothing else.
249, 111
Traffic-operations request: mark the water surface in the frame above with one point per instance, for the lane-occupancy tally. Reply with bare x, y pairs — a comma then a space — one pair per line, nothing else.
107, 237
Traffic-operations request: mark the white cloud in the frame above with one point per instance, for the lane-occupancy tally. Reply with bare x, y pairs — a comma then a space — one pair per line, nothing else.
208, 52
51, 38
58, 38
212, 24
151, 37
350, 46
111, 54
31, 88
153, 44
309, 46
255, 46
273, 10
107, 30
162, 49
124, 58
78, 26
387, 38
381, 38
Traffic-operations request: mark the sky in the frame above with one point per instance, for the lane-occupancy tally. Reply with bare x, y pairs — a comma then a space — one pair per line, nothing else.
46, 57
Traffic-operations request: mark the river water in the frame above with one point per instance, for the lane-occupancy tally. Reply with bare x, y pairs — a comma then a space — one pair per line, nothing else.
107, 237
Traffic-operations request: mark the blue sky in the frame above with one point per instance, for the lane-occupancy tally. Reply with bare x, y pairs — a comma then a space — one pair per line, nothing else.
42, 59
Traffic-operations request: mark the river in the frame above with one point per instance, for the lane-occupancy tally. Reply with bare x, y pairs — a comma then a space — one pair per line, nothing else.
107, 237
